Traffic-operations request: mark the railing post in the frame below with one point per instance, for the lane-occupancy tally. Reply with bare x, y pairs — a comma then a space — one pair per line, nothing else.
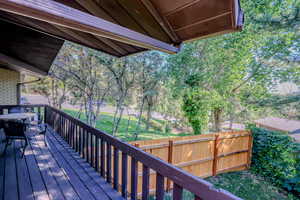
215, 161
46, 114
134, 176
170, 160
160, 187
146, 182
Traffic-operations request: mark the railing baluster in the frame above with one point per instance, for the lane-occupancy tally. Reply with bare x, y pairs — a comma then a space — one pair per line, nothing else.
59, 125
91, 148
97, 154
69, 132
102, 158
63, 129
87, 146
160, 187
80, 141
177, 192
83, 144
134, 178
108, 163
76, 137
124, 174
146, 182
116, 169
39, 112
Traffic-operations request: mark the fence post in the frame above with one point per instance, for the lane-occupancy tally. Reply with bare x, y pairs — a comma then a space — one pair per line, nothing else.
215, 161
170, 160
250, 143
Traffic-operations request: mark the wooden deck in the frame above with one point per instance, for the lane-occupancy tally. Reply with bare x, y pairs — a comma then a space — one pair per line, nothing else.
49, 172
57, 171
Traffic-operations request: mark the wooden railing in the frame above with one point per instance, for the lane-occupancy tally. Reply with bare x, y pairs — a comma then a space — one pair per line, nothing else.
112, 157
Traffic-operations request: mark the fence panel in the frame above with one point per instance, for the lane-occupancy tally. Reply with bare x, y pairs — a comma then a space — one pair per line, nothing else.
201, 155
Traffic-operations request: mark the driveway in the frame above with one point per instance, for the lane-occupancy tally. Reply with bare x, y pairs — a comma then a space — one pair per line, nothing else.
38, 99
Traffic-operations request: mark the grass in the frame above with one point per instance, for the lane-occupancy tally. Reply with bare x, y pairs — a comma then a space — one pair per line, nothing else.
249, 186
105, 123
245, 184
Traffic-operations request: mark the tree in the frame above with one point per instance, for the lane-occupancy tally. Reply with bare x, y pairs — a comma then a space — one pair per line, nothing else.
148, 82
123, 73
53, 89
78, 68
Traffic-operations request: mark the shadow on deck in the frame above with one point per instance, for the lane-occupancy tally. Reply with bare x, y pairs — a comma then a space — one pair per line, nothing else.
54, 171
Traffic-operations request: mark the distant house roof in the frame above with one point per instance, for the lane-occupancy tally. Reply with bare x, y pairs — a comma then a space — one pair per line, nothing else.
280, 124
296, 131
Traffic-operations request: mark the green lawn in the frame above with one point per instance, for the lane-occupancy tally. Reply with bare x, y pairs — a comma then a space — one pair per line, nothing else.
106, 120
243, 184
249, 186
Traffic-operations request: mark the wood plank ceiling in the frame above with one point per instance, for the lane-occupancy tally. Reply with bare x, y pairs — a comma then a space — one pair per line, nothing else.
169, 21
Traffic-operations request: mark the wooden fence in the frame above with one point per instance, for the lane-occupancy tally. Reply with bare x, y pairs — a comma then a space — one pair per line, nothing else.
202, 155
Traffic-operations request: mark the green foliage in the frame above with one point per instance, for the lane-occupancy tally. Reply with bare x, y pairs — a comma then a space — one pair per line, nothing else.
197, 105
249, 186
276, 157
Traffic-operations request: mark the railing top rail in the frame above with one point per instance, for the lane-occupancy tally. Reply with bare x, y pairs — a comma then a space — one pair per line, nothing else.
22, 105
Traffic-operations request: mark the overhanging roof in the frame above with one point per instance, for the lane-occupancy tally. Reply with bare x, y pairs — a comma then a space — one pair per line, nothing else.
123, 27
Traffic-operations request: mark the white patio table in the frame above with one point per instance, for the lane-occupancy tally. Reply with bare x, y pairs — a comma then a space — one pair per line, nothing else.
17, 116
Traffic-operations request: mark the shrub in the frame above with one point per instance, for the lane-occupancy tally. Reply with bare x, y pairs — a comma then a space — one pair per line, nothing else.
276, 157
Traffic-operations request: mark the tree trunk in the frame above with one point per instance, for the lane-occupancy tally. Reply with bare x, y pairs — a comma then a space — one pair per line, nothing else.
128, 121
217, 119
137, 131
149, 116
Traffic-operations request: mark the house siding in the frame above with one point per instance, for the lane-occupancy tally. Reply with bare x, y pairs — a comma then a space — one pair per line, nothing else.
8, 87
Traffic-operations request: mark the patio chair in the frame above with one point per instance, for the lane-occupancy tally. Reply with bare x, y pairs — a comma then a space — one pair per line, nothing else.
14, 130
1, 124
40, 126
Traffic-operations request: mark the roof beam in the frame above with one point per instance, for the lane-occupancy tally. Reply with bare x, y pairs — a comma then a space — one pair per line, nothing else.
160, 20
19, 65
61, 32
89, 40
93, 8
59, 14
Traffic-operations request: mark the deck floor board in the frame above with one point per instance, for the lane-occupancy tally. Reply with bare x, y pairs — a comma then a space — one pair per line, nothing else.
90, 171
53, 172
81, 173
